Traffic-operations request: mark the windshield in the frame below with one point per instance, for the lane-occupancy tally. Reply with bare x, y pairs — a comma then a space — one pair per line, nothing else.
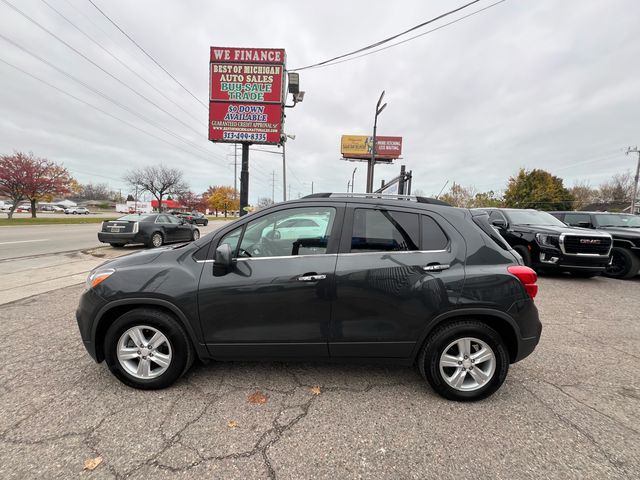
617, 220
532, 217
133, 218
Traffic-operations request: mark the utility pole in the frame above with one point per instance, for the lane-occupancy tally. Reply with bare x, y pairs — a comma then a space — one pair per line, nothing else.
635, 183
311, 188
235, 171
289, 190
244, 179
284, 171
273, 186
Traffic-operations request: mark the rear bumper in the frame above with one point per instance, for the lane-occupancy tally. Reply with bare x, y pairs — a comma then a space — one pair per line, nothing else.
108, 237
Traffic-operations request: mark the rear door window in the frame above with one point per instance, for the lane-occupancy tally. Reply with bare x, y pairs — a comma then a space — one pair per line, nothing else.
384, 231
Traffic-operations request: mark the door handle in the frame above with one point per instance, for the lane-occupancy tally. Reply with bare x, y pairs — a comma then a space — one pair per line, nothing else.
436, 267
311, 278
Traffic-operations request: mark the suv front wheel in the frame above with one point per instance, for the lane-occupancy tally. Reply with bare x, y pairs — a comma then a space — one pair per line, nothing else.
147, 349
464, 361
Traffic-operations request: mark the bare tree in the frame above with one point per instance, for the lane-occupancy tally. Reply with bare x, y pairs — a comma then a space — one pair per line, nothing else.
583, 194
158, 181
619, 188
263, 202
96, 191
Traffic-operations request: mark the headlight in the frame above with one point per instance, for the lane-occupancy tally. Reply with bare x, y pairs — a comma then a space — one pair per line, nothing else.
95, 278
548, 240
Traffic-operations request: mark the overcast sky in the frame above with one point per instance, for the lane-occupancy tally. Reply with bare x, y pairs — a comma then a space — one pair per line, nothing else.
534, 84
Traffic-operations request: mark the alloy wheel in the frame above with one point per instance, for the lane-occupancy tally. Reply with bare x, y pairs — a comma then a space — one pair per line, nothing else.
156, 240
467, 364
144, 352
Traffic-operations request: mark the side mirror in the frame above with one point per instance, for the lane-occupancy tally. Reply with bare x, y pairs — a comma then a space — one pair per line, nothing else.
223, 256
498, 222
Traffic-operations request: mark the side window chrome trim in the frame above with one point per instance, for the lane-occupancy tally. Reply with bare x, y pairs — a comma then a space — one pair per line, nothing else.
395, 252
244, 259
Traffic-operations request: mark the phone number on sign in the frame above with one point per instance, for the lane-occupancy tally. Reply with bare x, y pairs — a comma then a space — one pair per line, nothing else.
251, 137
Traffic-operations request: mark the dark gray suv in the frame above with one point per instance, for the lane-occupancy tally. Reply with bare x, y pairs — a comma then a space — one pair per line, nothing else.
334, 277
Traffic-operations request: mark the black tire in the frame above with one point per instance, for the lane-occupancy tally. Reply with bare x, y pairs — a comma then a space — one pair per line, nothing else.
195, 234
429, 359
182, 354
624, 264
117, 245
524, 253
206, 222
154, 244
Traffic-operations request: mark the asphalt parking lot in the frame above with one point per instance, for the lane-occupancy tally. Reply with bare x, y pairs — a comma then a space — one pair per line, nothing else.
568, 411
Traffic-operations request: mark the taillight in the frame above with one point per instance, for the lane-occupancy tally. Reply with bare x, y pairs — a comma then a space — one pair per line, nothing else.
527, 276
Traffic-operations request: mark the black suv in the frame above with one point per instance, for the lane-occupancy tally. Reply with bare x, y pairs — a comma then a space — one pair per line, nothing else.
406, 281
625, 230
547, 244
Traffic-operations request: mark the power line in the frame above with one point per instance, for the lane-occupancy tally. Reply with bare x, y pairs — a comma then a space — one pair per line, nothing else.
112, 55
16, 9
148, 55
414, 37
106, 97
93, 106
386, 40
259, 179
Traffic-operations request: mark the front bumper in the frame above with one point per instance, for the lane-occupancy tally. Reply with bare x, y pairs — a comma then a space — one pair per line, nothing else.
554, 259
86, 314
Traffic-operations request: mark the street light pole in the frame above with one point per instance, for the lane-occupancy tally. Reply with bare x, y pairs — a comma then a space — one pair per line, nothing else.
635, 182
372, 161
352, 179
284, 171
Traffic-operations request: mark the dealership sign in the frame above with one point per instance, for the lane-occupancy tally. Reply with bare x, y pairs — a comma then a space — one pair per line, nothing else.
246, 94
359, 147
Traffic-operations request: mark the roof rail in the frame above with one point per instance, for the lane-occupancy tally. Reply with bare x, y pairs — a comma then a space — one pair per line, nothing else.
387, 196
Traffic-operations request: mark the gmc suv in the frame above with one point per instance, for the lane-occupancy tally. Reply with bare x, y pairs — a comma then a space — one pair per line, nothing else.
407, 280
625, 230
547, 244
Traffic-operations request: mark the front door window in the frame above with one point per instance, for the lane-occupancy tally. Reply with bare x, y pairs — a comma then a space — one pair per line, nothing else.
297, 231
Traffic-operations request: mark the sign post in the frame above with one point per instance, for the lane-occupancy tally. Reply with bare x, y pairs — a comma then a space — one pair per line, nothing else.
246, 101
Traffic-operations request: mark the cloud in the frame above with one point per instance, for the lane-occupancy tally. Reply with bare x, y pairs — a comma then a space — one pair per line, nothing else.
538, 85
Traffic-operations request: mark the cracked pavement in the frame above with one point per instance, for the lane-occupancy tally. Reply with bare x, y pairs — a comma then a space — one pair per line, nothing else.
570, 410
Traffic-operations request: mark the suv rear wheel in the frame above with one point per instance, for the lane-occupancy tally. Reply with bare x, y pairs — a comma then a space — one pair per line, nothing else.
624, 264
147, 349
464, 361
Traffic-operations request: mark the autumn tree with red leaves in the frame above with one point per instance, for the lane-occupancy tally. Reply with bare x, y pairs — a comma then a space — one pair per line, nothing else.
25, 176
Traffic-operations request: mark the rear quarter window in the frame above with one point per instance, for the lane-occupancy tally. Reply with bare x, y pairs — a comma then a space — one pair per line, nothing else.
433, 237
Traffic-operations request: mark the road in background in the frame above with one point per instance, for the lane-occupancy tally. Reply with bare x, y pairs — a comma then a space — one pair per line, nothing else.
29, 240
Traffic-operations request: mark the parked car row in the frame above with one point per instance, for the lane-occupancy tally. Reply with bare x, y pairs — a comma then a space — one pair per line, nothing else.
585, 244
